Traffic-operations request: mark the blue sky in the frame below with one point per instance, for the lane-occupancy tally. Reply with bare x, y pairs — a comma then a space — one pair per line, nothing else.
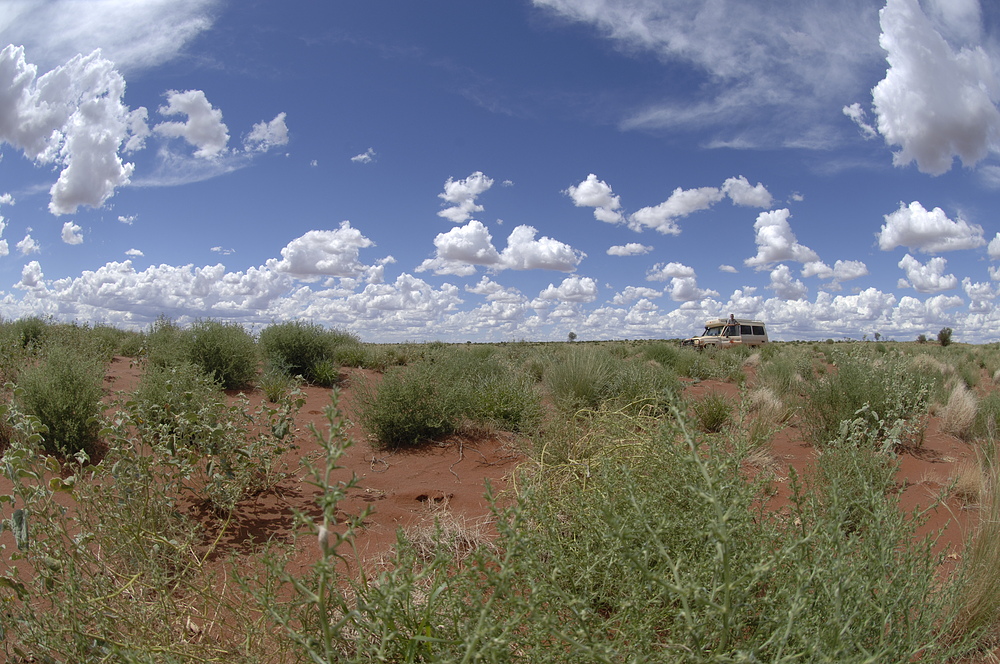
495, 171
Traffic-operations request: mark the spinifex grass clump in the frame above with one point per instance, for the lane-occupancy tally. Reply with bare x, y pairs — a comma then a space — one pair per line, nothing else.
63, 390
448, 390
587, 378
713, 411
224, 351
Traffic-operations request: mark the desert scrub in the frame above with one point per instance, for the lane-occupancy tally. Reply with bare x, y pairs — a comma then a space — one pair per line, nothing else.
63, 390
304, 349
174, 404
449, 390
887, 393
959, 415
225, 351
586, 378
713, 411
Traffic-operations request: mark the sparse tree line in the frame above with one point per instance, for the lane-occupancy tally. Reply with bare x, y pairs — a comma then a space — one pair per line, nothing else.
637, 530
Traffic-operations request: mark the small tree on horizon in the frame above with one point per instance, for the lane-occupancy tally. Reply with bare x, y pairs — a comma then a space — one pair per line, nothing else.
572, 336
944, 336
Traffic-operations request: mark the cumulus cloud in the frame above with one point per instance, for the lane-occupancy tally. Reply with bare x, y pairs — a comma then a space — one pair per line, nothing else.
682, 202
926, 278
572, 289
128, 220
71, 233
740, 192
461, 249
324, 253
135, 253
776, 242
929, 232
935, 102
203, 129
981, 295
462, 194
785, 286
266, 135
524, 252
366, 157
31, 277
633, 293
683, 285
598, 195
728, 268
630, 249
860, 118
28, 246
71, 117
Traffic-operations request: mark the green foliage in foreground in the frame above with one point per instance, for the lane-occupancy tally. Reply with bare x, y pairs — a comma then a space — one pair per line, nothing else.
656, 551
224, 351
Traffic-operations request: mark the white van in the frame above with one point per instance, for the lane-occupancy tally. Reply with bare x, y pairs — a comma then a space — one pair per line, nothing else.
728, 332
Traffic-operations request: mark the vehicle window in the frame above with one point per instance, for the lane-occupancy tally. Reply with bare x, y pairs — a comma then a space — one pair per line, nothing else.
712, 331
733, 331
745, 329
758, 330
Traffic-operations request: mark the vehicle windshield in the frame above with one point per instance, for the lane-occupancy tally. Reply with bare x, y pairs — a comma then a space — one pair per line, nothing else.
712, 332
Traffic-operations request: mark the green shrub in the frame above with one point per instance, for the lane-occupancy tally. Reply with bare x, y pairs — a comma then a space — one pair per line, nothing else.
225, 351
64, 392
888, 394
304, 349
449, 390
166, 344
176, 405
30, 332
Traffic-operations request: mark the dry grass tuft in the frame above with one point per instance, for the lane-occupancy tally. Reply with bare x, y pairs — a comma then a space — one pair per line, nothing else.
959, 414
981, 598
969, 483
768, 405
445, 531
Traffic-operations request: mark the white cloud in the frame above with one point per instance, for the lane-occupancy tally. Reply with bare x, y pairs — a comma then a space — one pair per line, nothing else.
993, 249
935, 102
266, 135
28, 246
135, 253
366, 157
683, 282
928, 232
776, 242
859, 117
471, 243
128, 220
204, 128
462, 195
133, 34
630, 249
728, 268
223, 251
323, 253
847, 270
926, 278
572, 289
598, 195
71, 233
31, 276
633, 293
72, 117
524, 252
665, 271
785, 286
981, 295
768, 77
740, 192
459, 250
682, 202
